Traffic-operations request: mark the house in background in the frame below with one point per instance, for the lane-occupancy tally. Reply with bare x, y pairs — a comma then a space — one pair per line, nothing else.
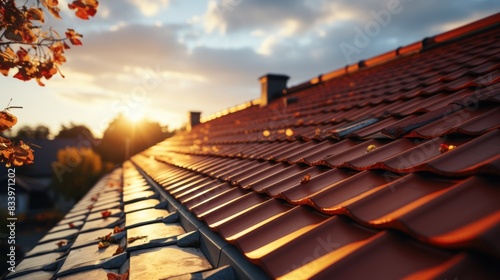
387, 169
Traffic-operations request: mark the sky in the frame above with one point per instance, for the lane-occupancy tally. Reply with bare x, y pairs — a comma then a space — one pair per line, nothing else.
159, 59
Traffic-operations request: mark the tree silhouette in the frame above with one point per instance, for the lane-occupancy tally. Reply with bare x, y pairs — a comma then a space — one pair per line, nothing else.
124, 138
79, 168
26, 46
75, 132
39, 132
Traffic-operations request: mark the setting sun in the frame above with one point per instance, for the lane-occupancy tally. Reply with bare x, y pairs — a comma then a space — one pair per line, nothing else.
135, 115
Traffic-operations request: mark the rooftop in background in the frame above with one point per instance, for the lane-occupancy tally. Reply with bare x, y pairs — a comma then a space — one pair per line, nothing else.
386, 168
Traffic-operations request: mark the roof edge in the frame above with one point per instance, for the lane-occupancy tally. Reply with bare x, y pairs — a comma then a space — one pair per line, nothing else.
426, 43
416, 47
217, 251
229, 110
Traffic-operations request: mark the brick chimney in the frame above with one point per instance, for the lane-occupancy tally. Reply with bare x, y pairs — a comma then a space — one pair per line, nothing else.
193, 120
272, 86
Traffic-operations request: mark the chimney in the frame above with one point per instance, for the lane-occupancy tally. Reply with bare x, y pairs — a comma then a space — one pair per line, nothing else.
272, 86
194, 119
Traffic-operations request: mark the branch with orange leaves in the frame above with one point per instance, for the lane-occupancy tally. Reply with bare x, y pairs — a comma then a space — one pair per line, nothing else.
30, 49
13, 154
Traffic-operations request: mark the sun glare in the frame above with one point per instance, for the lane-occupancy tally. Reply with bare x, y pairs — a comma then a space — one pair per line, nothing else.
135, 116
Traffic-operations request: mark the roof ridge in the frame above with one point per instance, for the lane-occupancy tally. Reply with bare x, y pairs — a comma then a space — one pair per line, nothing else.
232, 109
425, 44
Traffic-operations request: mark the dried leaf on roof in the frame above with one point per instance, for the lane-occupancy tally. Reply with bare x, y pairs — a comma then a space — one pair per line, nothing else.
134, 238
306, 178
119, 250
114, 276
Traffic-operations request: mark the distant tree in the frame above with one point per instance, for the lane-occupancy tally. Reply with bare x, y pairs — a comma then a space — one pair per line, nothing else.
123, 138
25, 132
76, 171
28, 46
42, 132
39, 132
75, 132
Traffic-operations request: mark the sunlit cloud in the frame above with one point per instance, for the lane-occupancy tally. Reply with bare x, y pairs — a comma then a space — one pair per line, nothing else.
82, 97
150, 8
213, 19
289, 28
258, 33
267, 45
183, 76
117, 26
334, 12
104, 12
194, 19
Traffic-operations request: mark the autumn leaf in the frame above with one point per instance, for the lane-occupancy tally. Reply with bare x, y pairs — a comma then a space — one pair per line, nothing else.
7, 60
118, 229
73, 37
114, 276
135, 238
71, 225
84, 9
13, 34
38, 51
306, 178
105, 214
8, 53
4, 143
106, 237
16, 154
61, 243
7, 120
52, 7
118, 251
24, 153
103, 245
26, 70
35, 14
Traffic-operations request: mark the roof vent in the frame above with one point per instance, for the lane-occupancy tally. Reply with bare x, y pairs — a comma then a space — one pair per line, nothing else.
194, 119
272, 86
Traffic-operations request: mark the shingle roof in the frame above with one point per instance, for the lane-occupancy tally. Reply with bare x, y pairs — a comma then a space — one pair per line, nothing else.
385, 169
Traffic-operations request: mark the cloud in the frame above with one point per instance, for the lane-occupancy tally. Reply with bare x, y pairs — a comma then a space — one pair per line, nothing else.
267, 45
82, 97
241, 15
150, 8
213, 18
133, 45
